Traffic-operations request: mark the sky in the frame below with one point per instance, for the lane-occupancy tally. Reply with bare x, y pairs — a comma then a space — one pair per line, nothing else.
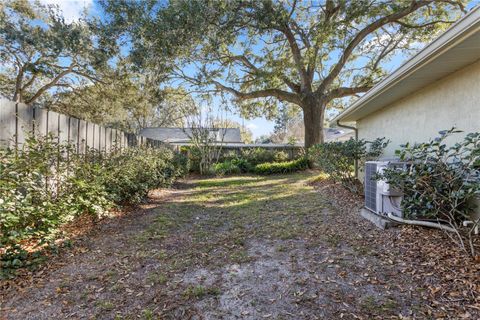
73, 9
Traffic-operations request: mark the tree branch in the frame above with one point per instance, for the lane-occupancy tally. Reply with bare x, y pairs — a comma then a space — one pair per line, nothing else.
90, 77
246, 62
276, 93
394, 17
51, 84
345, 92
29, 82
412, 26
297, 57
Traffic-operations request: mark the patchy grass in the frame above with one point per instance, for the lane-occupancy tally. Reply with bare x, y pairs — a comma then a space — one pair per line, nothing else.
156, 278
374, 306
242, 247
199, 292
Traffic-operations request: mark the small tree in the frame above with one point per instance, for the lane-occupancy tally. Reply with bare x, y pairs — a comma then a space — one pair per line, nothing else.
206, 134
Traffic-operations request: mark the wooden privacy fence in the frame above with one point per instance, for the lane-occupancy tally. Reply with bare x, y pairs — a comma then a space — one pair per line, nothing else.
17, 120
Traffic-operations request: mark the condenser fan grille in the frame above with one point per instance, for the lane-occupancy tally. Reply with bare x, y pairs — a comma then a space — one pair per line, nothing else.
370, 187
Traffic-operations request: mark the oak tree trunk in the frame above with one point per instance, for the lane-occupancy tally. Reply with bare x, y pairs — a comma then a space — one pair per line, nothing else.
313, 115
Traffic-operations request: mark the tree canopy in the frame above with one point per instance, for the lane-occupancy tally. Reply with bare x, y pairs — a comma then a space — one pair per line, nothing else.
307, 53
128, 101
41, 52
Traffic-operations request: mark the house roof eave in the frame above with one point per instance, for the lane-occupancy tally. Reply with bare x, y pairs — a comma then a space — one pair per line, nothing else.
456, 48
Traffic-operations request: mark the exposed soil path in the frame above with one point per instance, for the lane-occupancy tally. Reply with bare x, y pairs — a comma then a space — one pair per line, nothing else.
229, 248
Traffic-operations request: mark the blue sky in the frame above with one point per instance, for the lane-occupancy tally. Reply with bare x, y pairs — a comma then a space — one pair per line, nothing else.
72, 10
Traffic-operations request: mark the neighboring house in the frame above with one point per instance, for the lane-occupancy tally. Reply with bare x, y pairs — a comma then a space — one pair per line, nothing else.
182, 136
435, 90
338, 134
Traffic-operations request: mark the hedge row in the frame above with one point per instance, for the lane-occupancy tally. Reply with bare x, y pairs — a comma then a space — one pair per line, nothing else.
282, 167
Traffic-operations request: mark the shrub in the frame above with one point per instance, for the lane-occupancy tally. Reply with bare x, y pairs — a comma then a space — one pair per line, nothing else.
45, 184
337, 159
243, 165
129, 175
194, 156
84, 188
226, 168
182, 164
229, 155
280, 156
262, 155
440, 183
282, 167
30, 206
245, 160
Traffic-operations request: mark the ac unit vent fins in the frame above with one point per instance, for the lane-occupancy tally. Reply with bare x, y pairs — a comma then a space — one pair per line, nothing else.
370, 187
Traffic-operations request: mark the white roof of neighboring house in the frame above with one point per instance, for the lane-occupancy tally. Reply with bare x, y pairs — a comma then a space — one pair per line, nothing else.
456, 48
337, 134
226, 135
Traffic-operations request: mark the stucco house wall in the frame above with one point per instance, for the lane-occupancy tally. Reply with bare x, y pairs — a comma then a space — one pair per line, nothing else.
450, 101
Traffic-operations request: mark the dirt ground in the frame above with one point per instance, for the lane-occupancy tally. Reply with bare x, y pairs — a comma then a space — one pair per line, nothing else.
241, 248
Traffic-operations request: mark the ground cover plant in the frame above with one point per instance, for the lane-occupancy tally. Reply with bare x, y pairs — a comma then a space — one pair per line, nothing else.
440, 184
45, 184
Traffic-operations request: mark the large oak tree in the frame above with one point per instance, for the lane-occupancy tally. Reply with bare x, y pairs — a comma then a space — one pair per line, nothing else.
41, 53
307, 53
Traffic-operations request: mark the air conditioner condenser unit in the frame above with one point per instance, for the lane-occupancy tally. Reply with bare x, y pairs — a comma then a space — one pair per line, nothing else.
380, 197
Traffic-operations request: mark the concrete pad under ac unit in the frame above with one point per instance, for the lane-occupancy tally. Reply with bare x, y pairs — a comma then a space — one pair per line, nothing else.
377, 220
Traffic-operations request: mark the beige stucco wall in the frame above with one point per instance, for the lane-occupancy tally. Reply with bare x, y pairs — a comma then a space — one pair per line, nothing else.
451, 101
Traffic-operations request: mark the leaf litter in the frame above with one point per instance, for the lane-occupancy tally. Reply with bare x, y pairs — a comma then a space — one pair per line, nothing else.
249, 248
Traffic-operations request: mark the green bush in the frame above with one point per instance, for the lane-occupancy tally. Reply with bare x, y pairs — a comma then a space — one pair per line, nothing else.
129, 175
229, 155
261, 155
45, 184
243, 165
282, 167
440, 182
280, 156
193, 155
182, 164
30, 205
245, 160
337, 159
226, 168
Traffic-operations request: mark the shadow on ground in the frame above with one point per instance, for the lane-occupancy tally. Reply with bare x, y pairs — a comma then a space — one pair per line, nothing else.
241, 247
